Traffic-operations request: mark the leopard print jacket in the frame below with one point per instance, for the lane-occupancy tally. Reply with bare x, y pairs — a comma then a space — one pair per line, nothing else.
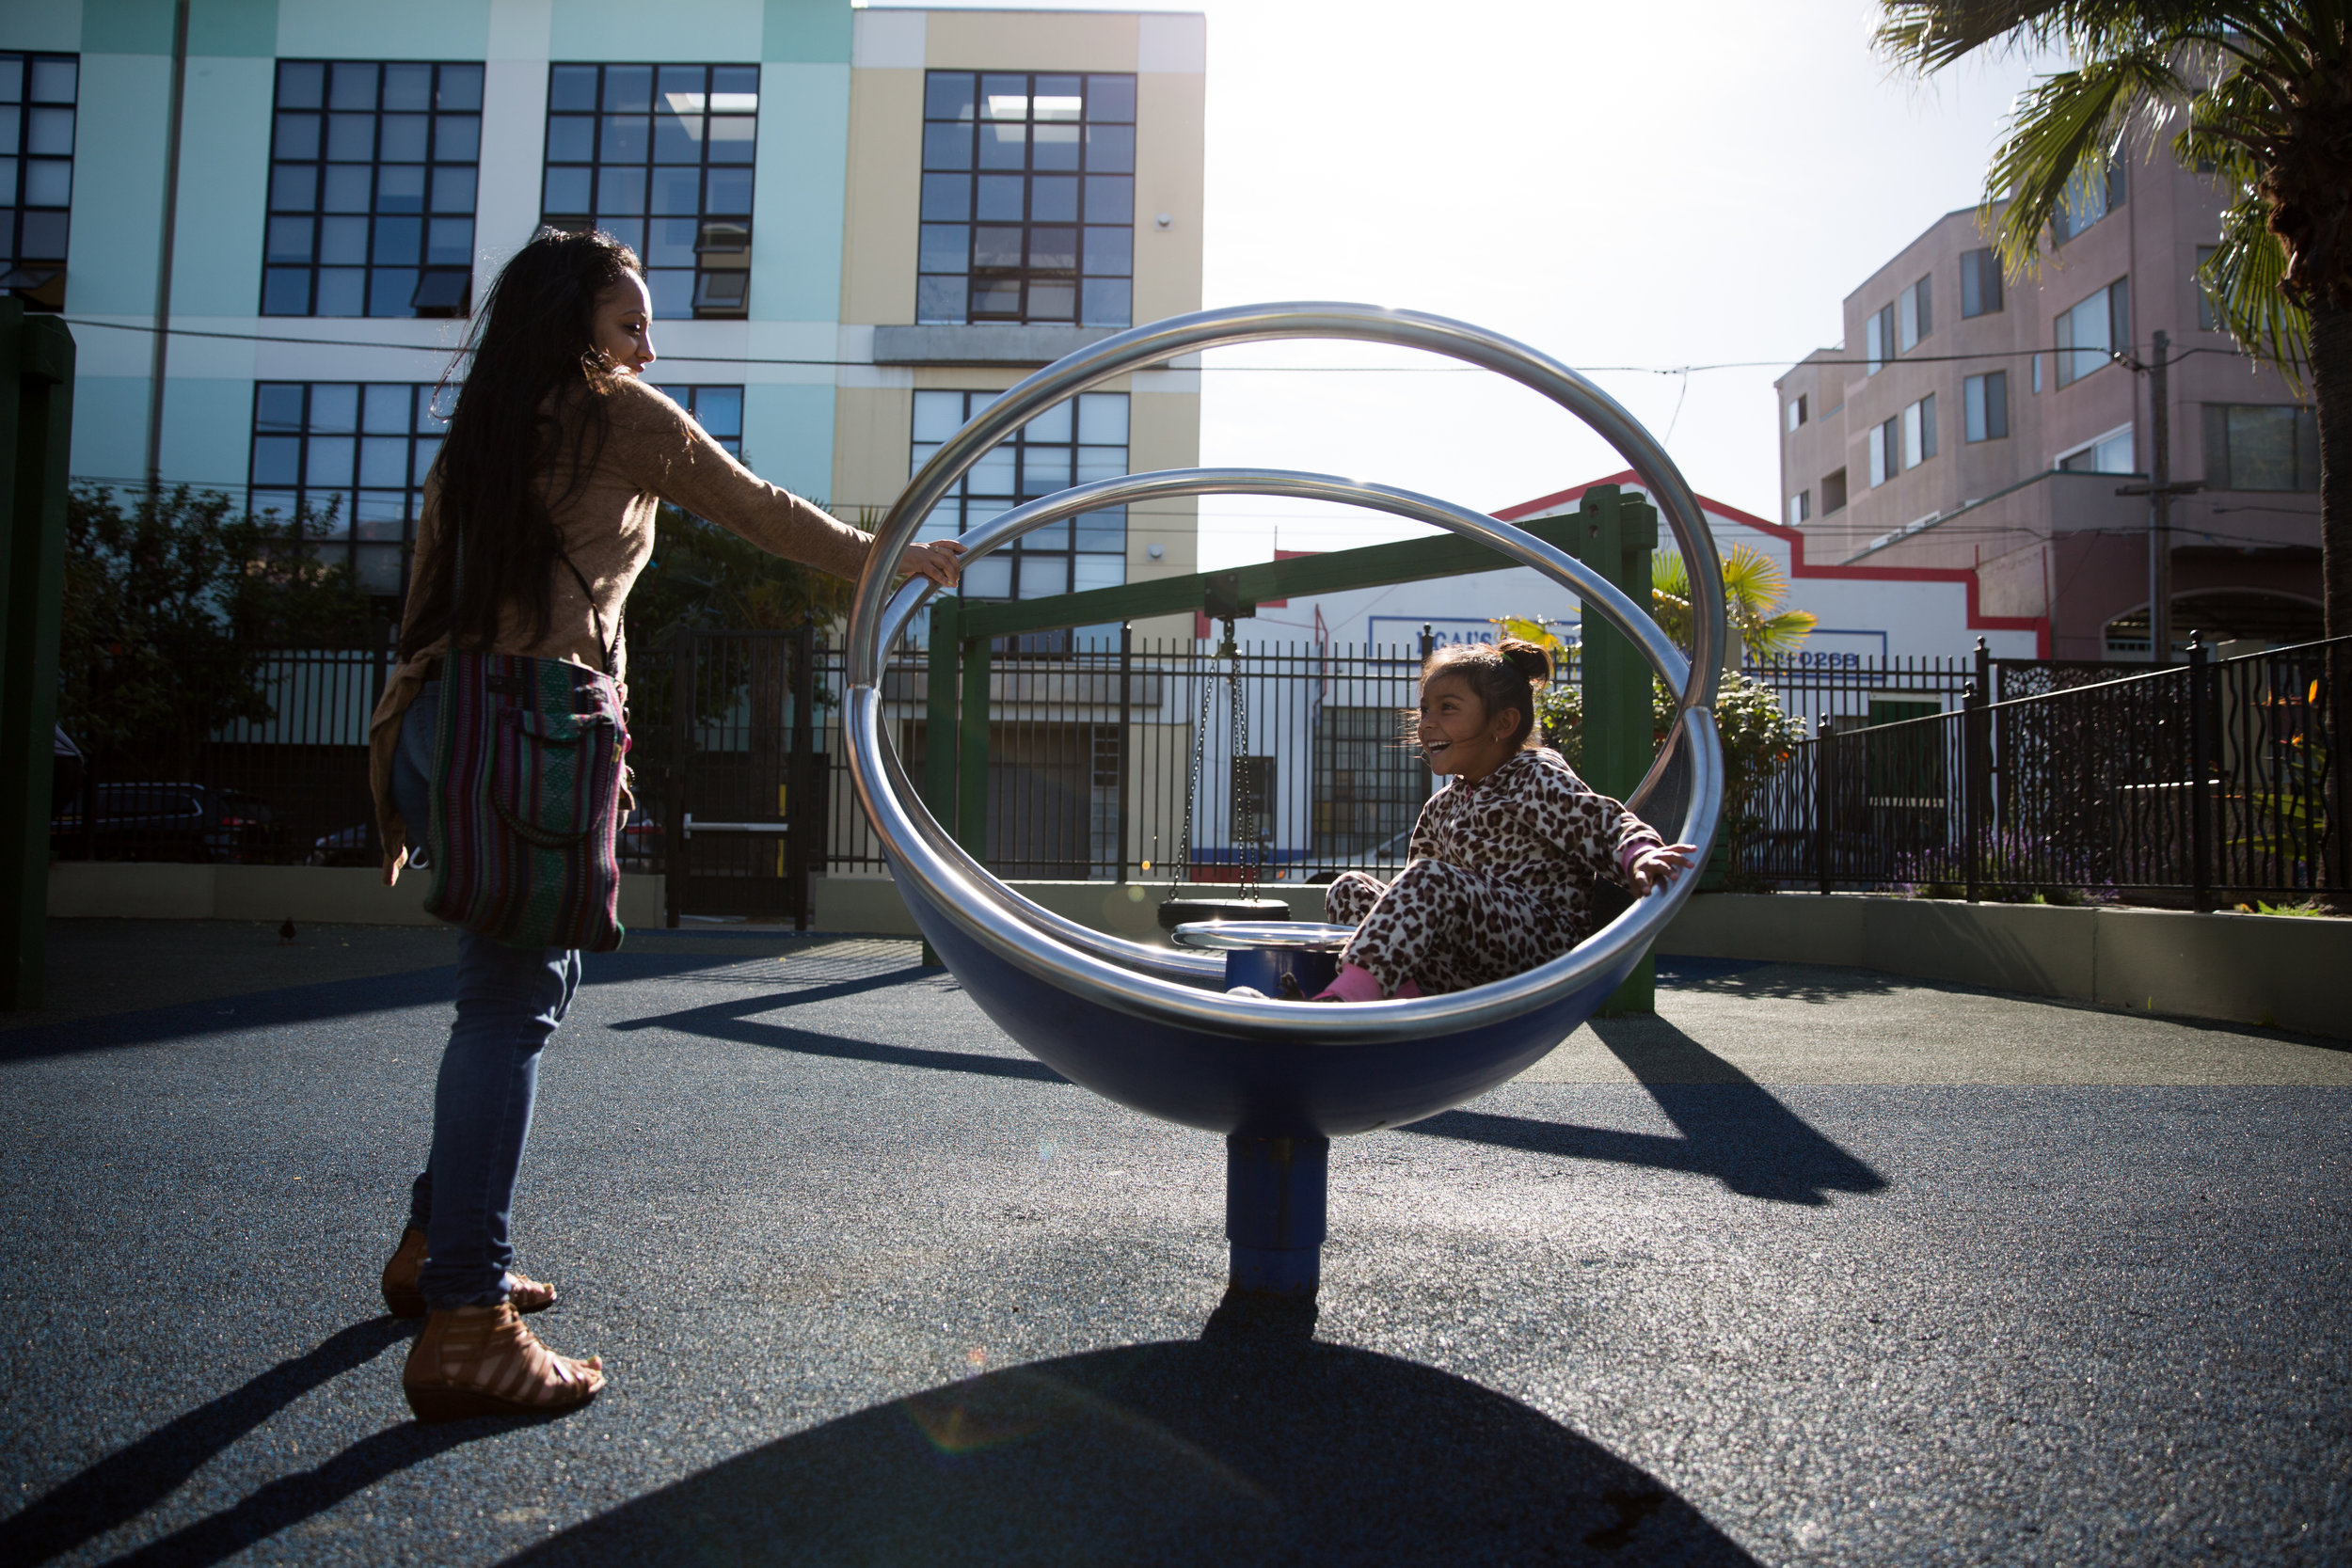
1534, 825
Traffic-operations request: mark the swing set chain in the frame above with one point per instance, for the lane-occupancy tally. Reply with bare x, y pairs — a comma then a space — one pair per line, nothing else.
1230, 651
1238, 785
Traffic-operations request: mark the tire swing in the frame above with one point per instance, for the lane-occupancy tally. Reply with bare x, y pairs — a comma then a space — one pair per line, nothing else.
1151, 1027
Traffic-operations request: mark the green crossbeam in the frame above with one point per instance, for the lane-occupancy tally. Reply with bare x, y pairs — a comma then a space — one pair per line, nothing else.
1373, 566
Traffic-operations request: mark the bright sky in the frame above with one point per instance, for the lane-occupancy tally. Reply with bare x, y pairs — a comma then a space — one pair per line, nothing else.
1615, 184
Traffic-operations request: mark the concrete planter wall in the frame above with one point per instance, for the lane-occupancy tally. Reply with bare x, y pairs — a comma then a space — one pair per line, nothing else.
2285, 971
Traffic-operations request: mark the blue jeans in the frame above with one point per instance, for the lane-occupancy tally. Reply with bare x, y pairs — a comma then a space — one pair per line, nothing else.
509, 1001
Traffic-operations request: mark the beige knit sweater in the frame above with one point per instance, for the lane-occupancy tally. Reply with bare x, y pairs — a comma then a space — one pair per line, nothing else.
654, 452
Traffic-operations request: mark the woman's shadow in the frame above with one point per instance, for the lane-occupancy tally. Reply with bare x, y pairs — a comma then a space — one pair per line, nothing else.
1255, 1444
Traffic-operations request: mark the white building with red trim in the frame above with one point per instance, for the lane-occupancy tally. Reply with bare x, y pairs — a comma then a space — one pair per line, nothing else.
1866, 614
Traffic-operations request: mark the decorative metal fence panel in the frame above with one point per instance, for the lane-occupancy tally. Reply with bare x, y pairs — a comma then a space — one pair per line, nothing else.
2197, 783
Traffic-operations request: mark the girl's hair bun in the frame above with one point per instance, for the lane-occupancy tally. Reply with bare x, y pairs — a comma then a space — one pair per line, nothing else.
1528, 658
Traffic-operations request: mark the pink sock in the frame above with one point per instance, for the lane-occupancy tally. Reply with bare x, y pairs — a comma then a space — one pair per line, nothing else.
1411, 987
1355, 983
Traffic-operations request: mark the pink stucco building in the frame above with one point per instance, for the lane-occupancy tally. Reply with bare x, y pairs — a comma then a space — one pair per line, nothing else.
1978, 422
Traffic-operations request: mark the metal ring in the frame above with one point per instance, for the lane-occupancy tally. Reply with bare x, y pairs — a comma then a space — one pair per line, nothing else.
1104, 970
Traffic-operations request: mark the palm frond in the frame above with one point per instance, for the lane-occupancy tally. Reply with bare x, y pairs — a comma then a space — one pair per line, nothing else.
2244, 279
2066, 125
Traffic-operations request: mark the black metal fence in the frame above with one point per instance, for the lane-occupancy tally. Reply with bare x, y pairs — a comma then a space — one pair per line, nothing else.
2075, 782
2199, 784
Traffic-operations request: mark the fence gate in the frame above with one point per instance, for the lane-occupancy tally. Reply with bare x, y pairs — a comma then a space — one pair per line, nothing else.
743, 788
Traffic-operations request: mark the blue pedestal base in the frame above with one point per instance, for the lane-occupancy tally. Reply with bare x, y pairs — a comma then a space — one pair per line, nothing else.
1274, 1190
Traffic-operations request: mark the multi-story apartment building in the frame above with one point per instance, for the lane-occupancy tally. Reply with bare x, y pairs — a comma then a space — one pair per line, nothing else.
858, 224
1976, 422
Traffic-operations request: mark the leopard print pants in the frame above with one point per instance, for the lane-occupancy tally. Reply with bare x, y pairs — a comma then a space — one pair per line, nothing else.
1441, 925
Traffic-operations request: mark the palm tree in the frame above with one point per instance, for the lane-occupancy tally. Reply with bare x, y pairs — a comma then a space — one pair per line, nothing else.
1753, 589
2262, 93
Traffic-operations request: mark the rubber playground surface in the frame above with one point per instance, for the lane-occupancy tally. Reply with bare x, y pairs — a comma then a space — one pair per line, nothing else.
1815, 1266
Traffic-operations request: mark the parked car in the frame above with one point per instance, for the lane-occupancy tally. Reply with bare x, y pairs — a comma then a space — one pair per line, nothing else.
169, 822
357, 847
641, 841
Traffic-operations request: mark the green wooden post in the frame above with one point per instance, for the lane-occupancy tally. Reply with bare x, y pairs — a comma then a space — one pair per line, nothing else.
972, 751
1617, 538
36, 438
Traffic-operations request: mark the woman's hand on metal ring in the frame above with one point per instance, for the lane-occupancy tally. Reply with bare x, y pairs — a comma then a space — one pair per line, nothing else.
941, 561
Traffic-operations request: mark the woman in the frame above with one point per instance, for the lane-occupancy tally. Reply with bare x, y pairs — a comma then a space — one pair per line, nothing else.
557, 457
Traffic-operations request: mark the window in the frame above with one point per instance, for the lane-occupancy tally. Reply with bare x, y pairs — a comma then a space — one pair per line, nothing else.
1796, 411
1061, 446
2037, 374
2252, 446
1834, 492
1800, 508
1877, 341
1028, 198
37, 106
1917, 313
1980, 284
718, 409
2087, 333
1985, 406
356, 456
2208, 319
371, 189
2111, 453
1919, 432
1887, 452
1368, 783
661, 158
1253, 799
2091, 195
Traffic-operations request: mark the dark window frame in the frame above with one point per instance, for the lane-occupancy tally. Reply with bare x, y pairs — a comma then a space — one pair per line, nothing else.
362, 531
1981, 285
1067, 257
2223, 473
1984, 407
698, 263
36, 234
1101, 535
409, 254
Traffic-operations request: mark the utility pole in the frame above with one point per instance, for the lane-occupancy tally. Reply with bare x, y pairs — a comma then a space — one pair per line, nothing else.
2159, 491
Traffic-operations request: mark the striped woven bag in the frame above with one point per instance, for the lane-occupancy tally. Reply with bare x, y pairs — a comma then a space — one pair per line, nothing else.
526, 799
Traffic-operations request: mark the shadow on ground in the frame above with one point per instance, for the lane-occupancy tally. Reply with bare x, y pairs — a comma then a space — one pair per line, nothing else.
1733, 1128
1253, 1444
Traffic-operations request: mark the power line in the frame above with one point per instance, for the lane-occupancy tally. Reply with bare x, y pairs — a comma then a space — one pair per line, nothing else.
461, 349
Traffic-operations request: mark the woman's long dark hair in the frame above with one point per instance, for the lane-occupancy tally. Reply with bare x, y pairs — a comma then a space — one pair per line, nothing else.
532, 399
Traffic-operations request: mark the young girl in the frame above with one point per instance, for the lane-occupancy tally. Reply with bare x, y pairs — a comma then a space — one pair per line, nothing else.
1498, 872
558, 454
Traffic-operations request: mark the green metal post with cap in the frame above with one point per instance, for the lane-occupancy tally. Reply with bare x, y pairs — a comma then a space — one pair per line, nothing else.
1617, 535
36, 439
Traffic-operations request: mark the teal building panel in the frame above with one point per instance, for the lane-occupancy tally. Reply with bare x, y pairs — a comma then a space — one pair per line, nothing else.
54, 28
788, 436
125, 27
410, 30
709, 30
109, 426
802, 192
809, 32
208, 430
118, 160
232, 27
224, 187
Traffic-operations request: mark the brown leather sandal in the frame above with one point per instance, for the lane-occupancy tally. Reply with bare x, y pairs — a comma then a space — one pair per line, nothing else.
401, 1298
484, 1361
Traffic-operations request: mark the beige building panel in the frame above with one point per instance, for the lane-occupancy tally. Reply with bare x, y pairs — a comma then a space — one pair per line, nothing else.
872, 428
885, 193
1029, 40
1171, 122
